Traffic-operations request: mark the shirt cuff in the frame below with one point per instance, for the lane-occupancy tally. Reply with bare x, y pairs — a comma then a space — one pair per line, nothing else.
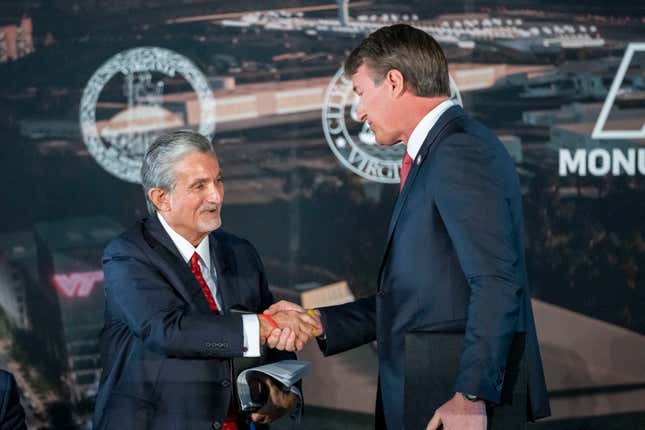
251, 329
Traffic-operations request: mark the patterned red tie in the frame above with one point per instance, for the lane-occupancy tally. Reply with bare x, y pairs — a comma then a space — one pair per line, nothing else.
194, 267
231, 419
406, 164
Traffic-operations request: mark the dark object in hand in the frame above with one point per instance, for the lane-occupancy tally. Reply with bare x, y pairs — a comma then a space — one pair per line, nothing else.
259, 393
279, 401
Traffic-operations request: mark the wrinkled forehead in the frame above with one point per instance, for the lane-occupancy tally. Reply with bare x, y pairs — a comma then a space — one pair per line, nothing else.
197, 163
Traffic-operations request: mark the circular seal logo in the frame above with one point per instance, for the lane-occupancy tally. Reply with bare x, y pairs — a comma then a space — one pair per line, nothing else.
353, 142
135, 106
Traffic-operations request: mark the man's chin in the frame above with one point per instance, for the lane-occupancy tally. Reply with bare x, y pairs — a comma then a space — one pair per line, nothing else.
381, 141
210, 226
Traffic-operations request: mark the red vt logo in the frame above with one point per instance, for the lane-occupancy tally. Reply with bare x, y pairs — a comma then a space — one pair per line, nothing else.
77, 284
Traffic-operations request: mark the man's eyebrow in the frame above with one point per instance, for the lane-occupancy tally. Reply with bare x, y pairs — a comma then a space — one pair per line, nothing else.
198, 181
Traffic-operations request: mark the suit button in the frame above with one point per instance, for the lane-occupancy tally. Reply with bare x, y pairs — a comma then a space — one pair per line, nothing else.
217, 425
380, 293
225, 383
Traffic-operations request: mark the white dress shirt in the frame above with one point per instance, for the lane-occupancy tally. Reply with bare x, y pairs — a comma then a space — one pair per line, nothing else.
250, 323
424, 126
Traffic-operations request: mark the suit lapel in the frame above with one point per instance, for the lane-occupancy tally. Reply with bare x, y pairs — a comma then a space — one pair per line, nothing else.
432, 136
221, 257
188, 286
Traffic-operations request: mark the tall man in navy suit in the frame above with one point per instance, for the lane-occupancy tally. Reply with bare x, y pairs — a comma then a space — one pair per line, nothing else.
171, 282
454, 255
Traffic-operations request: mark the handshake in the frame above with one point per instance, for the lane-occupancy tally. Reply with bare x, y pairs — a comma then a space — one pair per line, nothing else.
288, 326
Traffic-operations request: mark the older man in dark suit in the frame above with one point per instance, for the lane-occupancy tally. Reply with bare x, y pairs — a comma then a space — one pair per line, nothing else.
171, 283
454, 255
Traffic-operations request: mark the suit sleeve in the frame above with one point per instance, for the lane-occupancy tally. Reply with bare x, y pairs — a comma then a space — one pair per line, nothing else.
153, 311
348, 326
471, 197
13, 415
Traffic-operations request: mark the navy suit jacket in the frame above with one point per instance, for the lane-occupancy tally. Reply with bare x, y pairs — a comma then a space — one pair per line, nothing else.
166, 358
454, 260
12, 416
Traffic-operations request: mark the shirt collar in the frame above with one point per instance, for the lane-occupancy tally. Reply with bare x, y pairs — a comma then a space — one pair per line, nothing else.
186, 249
424, 126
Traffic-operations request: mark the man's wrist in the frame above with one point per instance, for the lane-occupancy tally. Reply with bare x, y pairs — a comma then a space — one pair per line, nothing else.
265, 327
268, 319
316, 314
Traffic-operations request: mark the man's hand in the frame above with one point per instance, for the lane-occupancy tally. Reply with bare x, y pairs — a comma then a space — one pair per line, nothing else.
459, 413
308, 316
276, 338
278, 404
298, 326
293, 332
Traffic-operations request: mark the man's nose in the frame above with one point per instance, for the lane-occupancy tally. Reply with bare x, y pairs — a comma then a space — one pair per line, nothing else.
215, 194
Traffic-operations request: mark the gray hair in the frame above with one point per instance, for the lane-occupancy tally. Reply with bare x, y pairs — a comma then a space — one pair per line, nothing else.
411, 51
157, 170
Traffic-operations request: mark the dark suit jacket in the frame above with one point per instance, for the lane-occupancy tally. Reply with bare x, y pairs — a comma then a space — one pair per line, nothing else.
454, 260
12, 416
166, 358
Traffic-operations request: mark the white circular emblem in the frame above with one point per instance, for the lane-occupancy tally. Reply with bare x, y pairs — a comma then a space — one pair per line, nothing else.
353, 142
133, 114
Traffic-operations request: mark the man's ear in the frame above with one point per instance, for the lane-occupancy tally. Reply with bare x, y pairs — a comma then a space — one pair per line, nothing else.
160, 198
396, 83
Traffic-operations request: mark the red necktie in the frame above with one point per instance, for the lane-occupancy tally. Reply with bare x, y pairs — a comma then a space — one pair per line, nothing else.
231, 419
194, 267
406, 164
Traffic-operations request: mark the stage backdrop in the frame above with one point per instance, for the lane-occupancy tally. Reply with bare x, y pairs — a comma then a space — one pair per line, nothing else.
85, 86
